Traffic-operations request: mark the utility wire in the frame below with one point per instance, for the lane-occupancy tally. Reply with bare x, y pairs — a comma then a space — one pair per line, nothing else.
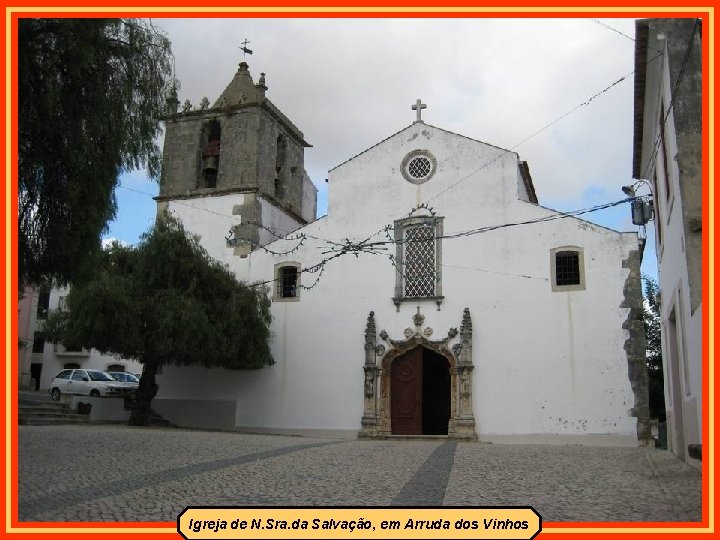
339, 249
599, 22
459, 181
536, 133
673, 96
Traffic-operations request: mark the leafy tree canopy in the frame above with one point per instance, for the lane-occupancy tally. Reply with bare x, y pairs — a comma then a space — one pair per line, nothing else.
166, 302
653, 351
90, 95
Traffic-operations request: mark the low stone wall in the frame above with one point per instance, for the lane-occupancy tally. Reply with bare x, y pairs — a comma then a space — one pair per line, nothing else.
203, 414
102, 409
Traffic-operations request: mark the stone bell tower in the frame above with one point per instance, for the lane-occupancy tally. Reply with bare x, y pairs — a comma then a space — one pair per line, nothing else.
240, 157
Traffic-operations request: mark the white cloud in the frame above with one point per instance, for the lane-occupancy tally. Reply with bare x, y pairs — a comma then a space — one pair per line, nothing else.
349, 83
108, 242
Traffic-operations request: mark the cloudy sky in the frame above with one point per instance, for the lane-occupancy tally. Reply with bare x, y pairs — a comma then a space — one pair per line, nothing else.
349, 83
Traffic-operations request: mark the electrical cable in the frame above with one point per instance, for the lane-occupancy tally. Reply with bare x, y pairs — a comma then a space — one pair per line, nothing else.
673, 95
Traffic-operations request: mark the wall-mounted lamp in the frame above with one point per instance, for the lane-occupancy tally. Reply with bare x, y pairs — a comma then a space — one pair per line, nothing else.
641, 208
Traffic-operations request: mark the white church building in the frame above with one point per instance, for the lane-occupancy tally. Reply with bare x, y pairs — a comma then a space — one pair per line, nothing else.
437, 297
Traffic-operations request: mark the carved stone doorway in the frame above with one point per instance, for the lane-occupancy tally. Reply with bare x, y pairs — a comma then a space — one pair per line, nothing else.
420, 393
419, 386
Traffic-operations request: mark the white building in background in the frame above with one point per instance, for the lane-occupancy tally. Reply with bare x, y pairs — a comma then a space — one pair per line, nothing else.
32, 309
469, 310
40, 361
668, 154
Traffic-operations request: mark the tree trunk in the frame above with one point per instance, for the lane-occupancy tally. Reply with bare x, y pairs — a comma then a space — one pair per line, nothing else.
140, 415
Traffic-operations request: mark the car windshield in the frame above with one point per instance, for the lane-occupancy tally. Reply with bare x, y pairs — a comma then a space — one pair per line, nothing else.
99, 376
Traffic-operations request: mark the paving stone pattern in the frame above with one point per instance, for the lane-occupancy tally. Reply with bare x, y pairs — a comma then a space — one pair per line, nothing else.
119, 473
428, 484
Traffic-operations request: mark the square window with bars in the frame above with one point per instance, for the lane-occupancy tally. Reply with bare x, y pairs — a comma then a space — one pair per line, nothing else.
419, 262
567, 268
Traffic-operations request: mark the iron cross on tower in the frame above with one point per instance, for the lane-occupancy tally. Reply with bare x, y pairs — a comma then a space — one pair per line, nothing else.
244, 48
419, 106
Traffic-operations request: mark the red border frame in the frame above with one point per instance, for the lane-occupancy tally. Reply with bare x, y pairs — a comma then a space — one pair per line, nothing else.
128, 7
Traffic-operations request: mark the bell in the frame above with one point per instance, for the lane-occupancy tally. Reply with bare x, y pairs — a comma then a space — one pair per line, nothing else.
210, 164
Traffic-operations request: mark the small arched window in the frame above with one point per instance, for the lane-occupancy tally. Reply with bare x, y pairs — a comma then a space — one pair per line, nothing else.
287, 282
210, 162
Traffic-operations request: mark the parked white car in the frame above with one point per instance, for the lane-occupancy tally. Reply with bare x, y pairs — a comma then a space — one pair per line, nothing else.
87, 382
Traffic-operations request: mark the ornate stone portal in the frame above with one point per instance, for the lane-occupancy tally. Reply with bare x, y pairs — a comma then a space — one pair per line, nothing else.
376, 421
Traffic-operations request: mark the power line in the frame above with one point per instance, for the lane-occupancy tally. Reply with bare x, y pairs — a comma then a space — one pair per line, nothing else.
484, 270
547, 126
505, 152
673, 95
226, 216
235, 218
339, 249
597, 21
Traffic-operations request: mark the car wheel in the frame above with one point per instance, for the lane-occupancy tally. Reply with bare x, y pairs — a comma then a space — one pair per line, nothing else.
55, 394
94, 393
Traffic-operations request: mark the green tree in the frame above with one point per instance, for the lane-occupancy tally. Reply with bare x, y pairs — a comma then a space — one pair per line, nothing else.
90, 96
653, 354
166, 302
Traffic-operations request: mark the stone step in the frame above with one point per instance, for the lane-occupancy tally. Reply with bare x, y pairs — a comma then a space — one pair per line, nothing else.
159, 421
33, 411
48, 414
38, 407
32, 421
37, 412
51, 418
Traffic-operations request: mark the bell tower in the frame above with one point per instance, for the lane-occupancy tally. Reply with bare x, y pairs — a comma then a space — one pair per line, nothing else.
240, 157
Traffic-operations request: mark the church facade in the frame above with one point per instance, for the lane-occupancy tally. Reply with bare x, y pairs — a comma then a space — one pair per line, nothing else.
437, 297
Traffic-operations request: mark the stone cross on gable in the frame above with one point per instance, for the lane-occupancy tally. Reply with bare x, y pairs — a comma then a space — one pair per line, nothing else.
419, 106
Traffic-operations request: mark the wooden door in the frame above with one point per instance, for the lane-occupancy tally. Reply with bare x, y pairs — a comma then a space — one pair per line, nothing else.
406, 393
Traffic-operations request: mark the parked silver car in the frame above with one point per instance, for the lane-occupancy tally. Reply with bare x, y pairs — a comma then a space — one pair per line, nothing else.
87, 382
126, 379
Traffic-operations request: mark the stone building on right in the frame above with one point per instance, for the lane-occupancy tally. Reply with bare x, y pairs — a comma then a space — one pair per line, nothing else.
668, 155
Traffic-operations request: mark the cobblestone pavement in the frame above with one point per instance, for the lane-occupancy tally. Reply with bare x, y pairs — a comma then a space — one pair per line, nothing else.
120, 473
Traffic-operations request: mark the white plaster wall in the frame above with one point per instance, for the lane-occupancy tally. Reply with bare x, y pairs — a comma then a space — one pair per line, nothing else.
546, 362
53, 362
211, 218
309, 199
276, 220
27, 326
672, 266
